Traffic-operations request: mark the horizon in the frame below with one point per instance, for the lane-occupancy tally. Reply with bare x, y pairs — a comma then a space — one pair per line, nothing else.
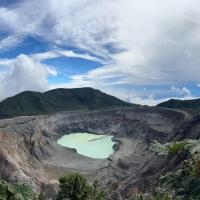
100, 91
140, 52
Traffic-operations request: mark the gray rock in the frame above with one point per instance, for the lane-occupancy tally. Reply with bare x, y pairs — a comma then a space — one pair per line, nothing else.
29, 151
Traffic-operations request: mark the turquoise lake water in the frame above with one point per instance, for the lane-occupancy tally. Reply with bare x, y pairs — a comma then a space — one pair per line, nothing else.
91, 145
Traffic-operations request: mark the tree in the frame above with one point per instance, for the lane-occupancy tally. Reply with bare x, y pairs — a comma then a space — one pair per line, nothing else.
74, 186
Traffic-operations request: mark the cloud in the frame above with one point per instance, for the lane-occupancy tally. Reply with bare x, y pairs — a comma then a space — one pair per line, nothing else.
25, 74
44, 56
143, 97
11, 42
84, 56
138, 42
6, 62
57, 53
184, 90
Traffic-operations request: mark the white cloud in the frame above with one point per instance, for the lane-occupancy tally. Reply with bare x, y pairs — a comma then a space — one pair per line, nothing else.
44, 56
142, 97
76, 55
198, 85
51, 71
25, 74
6, 62
139, 42
179, 91
11, 41
145, 97
57, 53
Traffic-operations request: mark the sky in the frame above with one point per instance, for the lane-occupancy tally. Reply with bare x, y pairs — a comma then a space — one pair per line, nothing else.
140, 51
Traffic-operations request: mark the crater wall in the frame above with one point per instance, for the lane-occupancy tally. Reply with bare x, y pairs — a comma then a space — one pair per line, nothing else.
29, 151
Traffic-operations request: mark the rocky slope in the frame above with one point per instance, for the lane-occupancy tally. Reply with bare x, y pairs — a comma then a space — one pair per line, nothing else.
29, 152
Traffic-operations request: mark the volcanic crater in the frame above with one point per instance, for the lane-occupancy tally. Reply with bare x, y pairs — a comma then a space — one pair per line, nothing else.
29, 151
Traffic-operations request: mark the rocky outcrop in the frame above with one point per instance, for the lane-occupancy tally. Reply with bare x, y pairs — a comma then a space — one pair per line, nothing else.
29, 151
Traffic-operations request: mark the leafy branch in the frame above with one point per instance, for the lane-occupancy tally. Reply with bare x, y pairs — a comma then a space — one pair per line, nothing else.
164, 149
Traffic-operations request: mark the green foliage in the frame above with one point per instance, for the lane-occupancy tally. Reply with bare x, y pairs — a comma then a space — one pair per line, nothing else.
24, 190
189, 189
192, 166
160, 194
186, 181
160, 149
176, 147
34, 103
74, 186
139, 197
156, 194
18, 191
191, 106
171, 179
96, 194
164, 149
7, 191
184, 184
192, 146
41, 196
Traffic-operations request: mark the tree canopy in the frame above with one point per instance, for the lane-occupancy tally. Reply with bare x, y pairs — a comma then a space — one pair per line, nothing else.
74, 186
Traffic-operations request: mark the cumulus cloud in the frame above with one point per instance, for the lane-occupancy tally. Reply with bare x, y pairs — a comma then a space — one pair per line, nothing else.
25, 74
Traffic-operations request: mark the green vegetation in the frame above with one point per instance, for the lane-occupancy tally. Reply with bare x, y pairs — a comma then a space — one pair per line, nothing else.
17, 191
191, 146
184, 184
164, 149
191, 106
34, 103
75, 187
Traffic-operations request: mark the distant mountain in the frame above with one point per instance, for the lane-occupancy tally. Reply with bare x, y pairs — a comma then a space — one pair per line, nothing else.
34, 103
192, 106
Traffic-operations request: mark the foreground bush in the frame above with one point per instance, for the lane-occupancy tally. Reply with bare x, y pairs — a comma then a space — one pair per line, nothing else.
17, 191
74, 186
184, 184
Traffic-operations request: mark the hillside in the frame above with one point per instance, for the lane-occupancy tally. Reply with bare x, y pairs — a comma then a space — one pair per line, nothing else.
192, 106
34, 103
29, 151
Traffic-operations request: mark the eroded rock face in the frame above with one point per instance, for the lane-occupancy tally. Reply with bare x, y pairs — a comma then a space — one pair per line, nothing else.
29, 152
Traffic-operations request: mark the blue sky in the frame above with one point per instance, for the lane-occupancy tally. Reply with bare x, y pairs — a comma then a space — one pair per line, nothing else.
140, 51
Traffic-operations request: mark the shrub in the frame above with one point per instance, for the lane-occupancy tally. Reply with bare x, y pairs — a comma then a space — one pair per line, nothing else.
74, 186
